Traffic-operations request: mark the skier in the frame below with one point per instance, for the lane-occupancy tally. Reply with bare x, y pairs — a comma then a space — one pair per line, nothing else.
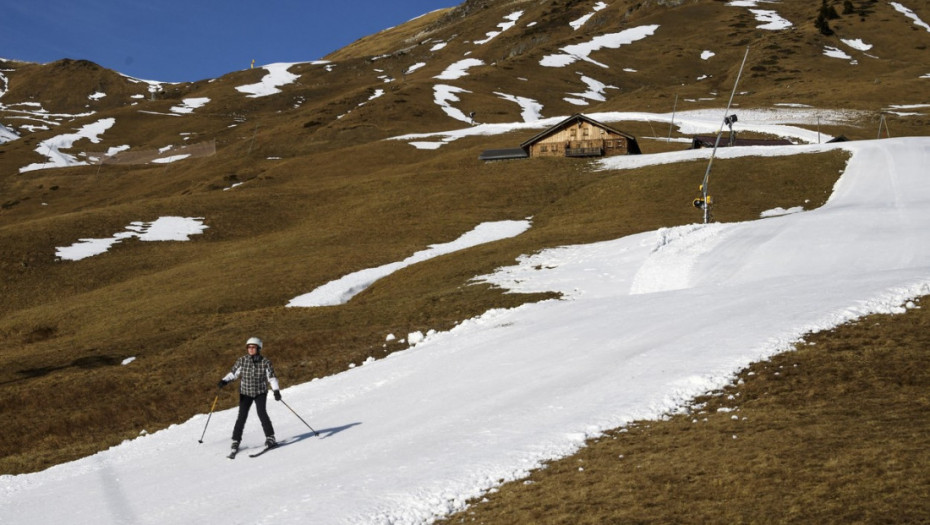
256, 372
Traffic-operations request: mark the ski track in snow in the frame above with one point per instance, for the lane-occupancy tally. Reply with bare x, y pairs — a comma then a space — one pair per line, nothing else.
645, 323
671, 262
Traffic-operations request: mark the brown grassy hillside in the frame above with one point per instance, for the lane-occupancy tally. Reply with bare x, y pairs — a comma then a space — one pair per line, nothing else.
323, 194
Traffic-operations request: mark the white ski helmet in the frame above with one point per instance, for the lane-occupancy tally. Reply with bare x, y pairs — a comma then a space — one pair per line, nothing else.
254, 341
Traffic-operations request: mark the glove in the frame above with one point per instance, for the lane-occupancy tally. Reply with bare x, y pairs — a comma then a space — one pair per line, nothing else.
222, 383
277, 395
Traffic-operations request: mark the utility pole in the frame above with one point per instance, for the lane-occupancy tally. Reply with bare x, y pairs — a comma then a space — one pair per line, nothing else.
883, 122
726, 119
672, 123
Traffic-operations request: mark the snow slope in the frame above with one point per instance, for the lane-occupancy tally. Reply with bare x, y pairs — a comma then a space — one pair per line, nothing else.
646, 323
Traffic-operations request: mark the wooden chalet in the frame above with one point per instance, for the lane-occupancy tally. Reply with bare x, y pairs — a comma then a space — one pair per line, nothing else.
581, 136
576, 136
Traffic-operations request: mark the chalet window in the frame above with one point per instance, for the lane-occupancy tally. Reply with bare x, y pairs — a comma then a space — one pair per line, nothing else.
543, 148
584, 132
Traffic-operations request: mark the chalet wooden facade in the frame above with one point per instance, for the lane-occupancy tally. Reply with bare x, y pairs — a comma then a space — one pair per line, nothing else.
581, 136
576, 136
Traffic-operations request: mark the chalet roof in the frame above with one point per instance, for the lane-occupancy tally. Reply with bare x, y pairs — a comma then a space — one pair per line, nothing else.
573, 119
503, 154
707, 141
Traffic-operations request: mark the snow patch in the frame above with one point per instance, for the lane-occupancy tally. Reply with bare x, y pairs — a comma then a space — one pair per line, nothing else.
414, 67
162, 229
910, 14
856, 44
834, 52
171, 158
459, 69
771, 20
7, 134
510, 21
188, 105
444, 95
576, 24
278, 75
51, 148
531, 111
575, 52
596, 92
345, 288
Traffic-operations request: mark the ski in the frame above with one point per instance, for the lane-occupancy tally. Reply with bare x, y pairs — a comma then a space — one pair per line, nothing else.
262, 451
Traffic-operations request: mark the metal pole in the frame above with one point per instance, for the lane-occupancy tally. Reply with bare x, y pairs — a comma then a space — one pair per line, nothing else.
251, 142
300, 418
884, 122
672, 123
717, 142
208, 417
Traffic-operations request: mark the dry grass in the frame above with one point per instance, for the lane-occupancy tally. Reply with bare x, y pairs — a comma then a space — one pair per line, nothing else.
833, 432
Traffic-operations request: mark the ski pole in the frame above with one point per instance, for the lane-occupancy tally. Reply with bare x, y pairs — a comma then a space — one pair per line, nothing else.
209, 416
315, 433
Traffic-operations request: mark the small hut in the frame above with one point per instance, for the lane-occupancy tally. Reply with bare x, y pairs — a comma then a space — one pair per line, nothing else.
576, 136
503, 154
581, 136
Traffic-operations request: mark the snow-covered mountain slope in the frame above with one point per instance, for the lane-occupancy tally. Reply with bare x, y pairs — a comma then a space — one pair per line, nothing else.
646, 323
283, 178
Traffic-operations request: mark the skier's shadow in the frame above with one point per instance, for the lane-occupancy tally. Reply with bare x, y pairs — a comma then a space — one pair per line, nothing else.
325, 433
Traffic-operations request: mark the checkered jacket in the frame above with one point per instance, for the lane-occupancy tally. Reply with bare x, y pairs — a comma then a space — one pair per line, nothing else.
256, 373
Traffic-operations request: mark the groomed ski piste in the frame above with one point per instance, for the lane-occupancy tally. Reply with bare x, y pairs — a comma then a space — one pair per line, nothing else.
645, 324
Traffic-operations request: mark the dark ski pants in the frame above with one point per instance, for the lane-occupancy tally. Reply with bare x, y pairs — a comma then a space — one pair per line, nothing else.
245, 404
